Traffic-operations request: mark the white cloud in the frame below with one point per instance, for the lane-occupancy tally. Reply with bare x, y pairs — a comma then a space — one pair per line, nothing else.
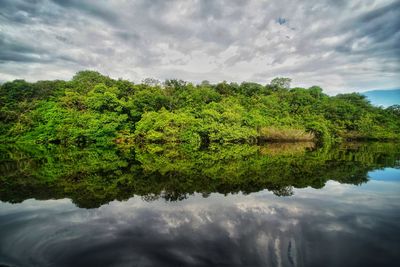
340, 45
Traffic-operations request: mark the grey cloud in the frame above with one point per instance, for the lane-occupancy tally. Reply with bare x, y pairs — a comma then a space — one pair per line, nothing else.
381, 26
218, 10
11, 50
94, 8
127, 36
209, 8
30, 12
224, 39
381, 12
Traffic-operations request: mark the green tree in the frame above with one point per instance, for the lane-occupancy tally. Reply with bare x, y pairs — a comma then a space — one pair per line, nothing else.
280, 83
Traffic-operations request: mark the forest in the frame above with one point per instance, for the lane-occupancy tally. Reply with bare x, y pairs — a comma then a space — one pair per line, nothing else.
93, 109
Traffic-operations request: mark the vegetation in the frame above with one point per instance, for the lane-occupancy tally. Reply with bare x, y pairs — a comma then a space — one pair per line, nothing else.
94, 176
92, 108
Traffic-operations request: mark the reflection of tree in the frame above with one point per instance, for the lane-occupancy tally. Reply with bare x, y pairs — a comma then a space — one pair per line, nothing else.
283, 191
150, 197
92, 177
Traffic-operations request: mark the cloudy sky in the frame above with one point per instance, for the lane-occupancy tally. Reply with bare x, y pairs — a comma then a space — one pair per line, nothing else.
337, 44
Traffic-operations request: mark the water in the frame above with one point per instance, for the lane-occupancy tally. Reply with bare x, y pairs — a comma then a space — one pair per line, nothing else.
238, 205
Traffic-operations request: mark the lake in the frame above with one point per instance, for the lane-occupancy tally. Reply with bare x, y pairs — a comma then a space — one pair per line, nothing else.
291, 204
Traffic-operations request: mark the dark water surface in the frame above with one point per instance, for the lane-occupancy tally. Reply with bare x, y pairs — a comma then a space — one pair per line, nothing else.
237, 205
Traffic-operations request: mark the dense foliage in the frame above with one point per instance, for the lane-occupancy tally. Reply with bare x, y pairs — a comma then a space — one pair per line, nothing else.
92, 108
94, 176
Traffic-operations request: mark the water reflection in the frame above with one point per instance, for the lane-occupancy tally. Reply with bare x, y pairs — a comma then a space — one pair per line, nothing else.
339, 225
232, 213
92, 177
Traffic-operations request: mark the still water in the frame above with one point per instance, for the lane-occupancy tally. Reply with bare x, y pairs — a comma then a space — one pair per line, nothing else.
238, 205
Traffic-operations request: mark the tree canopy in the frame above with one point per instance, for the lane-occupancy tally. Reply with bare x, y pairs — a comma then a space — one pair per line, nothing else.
93, 108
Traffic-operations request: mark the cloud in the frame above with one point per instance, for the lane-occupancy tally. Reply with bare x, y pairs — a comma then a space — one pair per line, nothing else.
340, 45
311, 228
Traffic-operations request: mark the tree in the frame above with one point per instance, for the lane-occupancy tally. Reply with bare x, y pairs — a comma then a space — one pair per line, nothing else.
281, 83
250, 89
84, 81
394, 109
151, 82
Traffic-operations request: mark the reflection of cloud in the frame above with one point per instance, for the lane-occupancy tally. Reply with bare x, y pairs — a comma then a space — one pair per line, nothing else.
313, 227
353, 44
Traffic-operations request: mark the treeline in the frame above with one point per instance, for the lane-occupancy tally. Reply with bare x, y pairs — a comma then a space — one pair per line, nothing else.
93, 108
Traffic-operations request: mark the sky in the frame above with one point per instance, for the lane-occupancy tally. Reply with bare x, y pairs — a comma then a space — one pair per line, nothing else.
384, 98
339, 45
